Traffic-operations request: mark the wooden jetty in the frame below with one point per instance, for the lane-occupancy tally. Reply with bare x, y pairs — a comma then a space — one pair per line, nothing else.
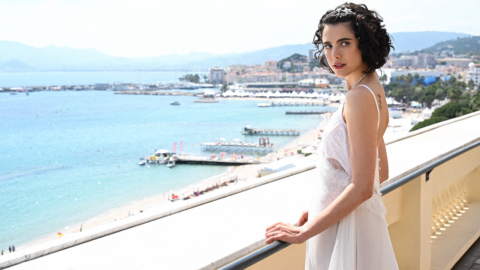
276, 132
306, 112
221, 161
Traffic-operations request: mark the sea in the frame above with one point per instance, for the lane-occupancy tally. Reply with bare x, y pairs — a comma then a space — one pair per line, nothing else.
67, 156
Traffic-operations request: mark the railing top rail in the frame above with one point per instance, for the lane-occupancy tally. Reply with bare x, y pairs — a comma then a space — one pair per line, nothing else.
275, 247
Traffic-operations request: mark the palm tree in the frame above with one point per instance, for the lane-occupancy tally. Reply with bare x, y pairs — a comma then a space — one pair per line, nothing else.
453, 94
452, 80
205, 78
422, 79
416, 76
383, 79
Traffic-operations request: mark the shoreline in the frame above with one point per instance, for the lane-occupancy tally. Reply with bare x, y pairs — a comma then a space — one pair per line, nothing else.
240, 173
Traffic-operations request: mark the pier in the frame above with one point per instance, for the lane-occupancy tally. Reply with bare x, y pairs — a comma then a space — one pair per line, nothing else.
306, 112
206, 101
275, 132
298, 103
221, 161
264, 146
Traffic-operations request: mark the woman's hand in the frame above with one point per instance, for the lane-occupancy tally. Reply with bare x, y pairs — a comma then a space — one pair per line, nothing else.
303, 219
284, 232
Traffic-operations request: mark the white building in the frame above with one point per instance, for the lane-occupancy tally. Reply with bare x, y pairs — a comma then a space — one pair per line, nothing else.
473, 73
216, 75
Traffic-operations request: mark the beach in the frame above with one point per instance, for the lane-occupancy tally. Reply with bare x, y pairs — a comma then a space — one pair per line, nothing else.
243, 173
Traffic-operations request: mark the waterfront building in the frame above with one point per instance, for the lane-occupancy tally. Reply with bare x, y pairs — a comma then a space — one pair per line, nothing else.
216, 75
405, 60
311, 55
271, 65
473, 73
287, 65
425, 60
459, 62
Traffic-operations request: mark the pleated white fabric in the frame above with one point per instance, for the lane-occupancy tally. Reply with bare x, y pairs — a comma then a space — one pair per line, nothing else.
360, 241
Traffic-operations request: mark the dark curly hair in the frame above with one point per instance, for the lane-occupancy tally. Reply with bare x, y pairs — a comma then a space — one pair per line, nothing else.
373, 39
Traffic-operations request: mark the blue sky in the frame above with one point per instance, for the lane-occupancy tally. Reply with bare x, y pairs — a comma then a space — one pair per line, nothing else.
144, 28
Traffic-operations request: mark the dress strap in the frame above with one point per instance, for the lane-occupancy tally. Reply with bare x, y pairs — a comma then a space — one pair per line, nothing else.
378, 111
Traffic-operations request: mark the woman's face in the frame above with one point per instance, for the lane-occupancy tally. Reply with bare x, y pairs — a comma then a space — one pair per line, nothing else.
341, 49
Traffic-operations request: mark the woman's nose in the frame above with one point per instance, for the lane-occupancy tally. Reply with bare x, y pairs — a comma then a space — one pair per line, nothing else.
335, 53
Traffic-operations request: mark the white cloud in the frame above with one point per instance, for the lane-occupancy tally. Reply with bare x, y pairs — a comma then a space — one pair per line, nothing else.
152, 27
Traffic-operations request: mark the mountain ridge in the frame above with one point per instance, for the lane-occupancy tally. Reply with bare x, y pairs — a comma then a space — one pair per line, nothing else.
20, 57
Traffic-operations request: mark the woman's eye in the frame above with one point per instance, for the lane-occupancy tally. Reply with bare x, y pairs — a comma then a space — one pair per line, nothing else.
328, 46
345, 43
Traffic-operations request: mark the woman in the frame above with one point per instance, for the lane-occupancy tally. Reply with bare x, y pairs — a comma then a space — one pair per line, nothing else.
345, 224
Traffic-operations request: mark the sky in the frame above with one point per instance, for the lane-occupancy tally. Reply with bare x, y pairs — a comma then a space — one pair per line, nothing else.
145, 28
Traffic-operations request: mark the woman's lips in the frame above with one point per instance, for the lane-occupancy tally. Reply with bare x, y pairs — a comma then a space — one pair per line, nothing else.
338, 66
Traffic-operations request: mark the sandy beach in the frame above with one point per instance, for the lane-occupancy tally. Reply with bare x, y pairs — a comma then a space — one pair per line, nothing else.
240, 173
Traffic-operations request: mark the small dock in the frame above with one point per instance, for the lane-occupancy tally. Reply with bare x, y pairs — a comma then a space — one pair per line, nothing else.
298, 103
206, 101
306, 112
236, 146
219, 161
275, 132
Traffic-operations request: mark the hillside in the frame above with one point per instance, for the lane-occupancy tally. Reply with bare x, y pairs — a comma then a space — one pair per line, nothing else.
412, 41
468, 46
16, 56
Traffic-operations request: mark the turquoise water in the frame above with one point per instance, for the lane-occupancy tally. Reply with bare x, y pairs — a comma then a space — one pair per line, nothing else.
68, 156
25, 79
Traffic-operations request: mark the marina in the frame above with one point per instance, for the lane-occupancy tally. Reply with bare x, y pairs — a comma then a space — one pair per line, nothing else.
306, 112
275, 132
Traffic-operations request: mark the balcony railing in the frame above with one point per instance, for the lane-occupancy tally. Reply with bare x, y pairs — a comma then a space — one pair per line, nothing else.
443, 212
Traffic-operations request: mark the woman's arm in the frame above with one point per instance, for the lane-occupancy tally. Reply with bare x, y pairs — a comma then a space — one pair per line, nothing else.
361, 117
382, 155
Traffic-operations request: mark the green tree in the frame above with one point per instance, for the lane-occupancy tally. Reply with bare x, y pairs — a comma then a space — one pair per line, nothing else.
181, 79
383, 79
449, 110
416, 76
471, 84
452, 81
453, 94
459, 76
440, 94
205, 78
224, 87
428, 95
283, 79
428, 122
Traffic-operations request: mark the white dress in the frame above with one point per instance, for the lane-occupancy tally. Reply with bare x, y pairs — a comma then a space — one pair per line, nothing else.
360, 241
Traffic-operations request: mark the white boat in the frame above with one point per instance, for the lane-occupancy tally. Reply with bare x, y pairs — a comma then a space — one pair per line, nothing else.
171, 163
142, 162
264, 104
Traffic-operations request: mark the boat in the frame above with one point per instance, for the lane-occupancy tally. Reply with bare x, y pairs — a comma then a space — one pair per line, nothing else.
13, 93
264, 104
171, 163
142, 161
175, 103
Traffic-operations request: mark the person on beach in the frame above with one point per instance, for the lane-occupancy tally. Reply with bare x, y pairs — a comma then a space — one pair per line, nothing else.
344, 226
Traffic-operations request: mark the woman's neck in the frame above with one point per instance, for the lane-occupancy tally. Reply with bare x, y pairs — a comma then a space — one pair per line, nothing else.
354, 78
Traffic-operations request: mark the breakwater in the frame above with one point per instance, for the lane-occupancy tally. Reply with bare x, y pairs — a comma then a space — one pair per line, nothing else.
159, 93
